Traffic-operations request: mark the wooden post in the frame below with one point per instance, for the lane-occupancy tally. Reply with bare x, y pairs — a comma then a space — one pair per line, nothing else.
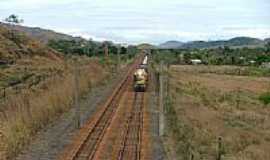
76, 95
161, 104
238, 98
191, 156
219, 148
167, 80
118, 57
94, 51
157, 83
4, 93
16, 89
238, 92
106, 50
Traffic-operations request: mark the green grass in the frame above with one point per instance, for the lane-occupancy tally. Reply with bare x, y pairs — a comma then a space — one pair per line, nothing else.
265, 98
180, 132
256, 71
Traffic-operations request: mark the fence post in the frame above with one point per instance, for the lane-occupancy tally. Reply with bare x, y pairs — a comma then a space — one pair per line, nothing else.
157, 83
238, 92
106, 50
191, 156
161, 104
76, 95
219, 148
168, 81
4, 93
238, 98
16, 89
118, 57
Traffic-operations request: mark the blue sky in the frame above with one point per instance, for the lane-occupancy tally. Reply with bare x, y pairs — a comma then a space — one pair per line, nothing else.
152, 21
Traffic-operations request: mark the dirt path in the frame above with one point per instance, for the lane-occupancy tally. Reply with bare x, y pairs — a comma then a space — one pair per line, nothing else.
52, 140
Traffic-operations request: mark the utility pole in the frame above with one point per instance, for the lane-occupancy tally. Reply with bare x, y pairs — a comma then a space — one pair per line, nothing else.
118, 57
238, 91
76, 95
161, 104
167, 82
106, 50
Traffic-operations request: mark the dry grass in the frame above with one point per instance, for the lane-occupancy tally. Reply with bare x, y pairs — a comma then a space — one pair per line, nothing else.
25, 113
39, 86
207, 104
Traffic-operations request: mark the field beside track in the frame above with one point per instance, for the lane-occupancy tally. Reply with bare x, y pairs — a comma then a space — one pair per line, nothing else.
207, 103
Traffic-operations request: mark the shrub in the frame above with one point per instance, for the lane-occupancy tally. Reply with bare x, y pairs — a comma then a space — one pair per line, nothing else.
265, 98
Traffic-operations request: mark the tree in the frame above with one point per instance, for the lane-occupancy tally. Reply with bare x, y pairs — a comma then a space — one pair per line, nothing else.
187, 57
263, 58
267, 47
14, 19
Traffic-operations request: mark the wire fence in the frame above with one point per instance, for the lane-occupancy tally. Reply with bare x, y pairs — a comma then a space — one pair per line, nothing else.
215, 150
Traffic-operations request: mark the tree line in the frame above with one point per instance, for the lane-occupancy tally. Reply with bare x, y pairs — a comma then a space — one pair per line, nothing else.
216, 56
90, 48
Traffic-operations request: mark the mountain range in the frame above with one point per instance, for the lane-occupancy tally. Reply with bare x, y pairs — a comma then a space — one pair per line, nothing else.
44, 36
234, 42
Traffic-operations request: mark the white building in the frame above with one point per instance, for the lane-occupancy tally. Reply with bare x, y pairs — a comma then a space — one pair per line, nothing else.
266, 65
196, 61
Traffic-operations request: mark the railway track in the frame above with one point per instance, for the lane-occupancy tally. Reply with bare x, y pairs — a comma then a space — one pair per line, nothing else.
87, 143
131, 145
89, 147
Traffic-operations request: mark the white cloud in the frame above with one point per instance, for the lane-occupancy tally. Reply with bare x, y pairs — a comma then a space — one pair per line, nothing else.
32, 4
250, 32
152, 21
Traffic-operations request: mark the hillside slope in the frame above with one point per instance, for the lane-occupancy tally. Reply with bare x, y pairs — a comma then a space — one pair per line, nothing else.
42, 35
37, 86
16, 45
23, 59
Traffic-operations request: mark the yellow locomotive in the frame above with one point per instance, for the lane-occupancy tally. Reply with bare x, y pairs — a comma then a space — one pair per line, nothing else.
141, 76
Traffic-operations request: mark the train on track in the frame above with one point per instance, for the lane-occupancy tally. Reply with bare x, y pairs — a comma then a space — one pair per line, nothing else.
140, 76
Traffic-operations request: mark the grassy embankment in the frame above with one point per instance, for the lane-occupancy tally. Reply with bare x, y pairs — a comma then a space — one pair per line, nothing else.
26, 110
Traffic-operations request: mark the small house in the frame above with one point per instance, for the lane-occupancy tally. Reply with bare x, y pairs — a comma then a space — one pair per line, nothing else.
266, 65
196, 61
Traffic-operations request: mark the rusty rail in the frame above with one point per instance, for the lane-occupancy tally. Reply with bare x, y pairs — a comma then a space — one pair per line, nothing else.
131, 145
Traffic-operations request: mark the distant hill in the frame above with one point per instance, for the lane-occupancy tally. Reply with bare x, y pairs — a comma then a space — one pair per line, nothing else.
146, 46
40, 34
234, 42
244, 41
267, 40
171, 44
